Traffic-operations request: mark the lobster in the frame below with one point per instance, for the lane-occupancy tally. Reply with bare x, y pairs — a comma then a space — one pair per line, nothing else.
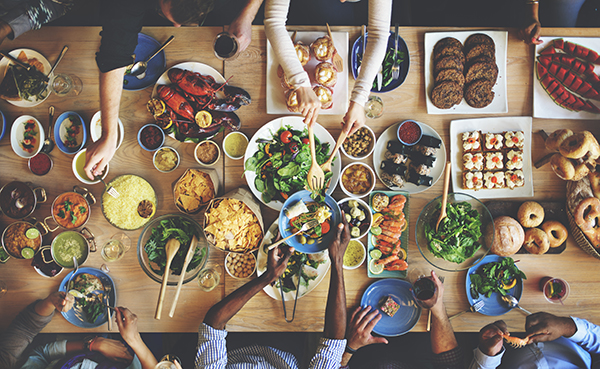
220, 119
175, 101
204, 88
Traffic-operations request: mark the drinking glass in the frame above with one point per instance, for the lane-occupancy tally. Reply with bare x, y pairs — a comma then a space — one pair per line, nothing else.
226, 46
66, 84
555, 290
423, 287
374, 107
3, 288
116, 247
209, 278
169, 362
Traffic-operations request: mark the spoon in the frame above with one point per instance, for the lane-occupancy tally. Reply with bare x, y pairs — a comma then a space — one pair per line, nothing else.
72, 291
445, 195
170, 250
139, 68
512, 302
48, 142
186, 262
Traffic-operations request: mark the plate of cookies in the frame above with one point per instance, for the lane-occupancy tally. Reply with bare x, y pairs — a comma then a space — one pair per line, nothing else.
465, 72
494, 162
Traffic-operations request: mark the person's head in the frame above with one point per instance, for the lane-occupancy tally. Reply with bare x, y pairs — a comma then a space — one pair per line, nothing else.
185, 12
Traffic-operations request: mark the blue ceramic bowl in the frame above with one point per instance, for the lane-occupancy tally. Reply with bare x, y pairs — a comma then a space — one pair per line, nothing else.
162, 134
3, 125
409, 143
320, 243
60, 133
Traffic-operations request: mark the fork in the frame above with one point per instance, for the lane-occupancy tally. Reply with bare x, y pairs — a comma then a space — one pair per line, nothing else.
396, 66
111, 190
326, 166
305, 227
473, 309
338, 62
316, 176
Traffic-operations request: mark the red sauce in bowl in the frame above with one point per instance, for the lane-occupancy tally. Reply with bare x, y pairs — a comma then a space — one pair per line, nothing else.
409, 132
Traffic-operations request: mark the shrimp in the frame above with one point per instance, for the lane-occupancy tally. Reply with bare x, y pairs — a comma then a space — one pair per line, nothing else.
391, 229
516, 342
384, 249
394, 223
390, 233
397, 265
396, 249
387, 238
387, 260
386, 244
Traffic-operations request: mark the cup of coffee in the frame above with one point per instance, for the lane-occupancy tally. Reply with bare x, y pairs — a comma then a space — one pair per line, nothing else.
226, 46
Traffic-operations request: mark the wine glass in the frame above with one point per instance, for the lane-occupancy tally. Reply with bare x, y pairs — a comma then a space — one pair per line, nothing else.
374, 107
66, 84
116, 247
209, 278
169, 362
423, 286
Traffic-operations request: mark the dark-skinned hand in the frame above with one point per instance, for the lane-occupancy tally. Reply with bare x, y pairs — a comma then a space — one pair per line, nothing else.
490, 338
360, 327
547, 327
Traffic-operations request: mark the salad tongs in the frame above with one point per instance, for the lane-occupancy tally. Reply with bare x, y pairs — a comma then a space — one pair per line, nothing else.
295, 299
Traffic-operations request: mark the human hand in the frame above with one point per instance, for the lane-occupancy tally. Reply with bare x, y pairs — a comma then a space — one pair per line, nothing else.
241, 29
531, 33
98, 155
62, 301
339, 244
127, 323
112, 349
436, 303
308, 104
354, 119
490, 338
277, 261
547, 327
360, 326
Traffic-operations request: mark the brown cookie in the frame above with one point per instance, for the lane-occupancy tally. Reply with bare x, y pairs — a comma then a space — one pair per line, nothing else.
446, 95
452, 75
448, 62
478, 38
480, 50
449, 50
483, 58
479, 94
482, 70
448, 41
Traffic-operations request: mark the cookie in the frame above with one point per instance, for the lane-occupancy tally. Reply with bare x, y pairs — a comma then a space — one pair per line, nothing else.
448, 41
446, 95
452, 75
482, 70
479, 94
449, 50
480, 50
478, 38
448, 62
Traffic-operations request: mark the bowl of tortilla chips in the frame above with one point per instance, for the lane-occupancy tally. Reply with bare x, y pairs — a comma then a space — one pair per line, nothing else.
194, 190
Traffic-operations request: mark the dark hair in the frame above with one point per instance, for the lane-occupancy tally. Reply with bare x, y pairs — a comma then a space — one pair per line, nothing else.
190, 11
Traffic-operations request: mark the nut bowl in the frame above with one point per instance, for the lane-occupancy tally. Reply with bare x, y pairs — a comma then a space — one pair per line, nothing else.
429, 215
370, 148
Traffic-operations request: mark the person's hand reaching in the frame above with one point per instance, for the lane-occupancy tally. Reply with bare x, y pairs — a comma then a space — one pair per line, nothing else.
277, 261
547, 327
491, 336
112, 349
530, 34
360, 328
241, 29
62, 301
340, 243
98, 155
354, 119
309, 104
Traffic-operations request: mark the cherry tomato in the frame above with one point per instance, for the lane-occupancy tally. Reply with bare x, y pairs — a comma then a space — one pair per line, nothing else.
305, 141
286, 137
293, 146
325, 227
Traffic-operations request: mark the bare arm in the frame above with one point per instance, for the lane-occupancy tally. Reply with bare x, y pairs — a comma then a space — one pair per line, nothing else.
442, 335
241, 27
532, 29
127, 323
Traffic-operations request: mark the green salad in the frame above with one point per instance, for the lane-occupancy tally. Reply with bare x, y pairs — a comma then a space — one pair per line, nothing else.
457, 237
499, 276
181, 229
309, 264
281, 164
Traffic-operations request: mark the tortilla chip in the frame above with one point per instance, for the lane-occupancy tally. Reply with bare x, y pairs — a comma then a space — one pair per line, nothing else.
231, 225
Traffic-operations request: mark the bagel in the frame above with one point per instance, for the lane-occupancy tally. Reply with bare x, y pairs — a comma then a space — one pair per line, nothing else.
562, 166
508, 236
556, 138
587, 214
556, 231
536, 241
581, 170
530, 214
594, 178
576, 192
576, 145
593, 147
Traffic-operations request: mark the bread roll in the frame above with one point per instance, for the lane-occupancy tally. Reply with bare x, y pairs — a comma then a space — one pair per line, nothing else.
508, 236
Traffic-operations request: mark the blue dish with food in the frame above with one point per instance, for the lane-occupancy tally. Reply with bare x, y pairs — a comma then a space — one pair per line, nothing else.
356, 57
3, 128
146, 46
70, 132
322, 235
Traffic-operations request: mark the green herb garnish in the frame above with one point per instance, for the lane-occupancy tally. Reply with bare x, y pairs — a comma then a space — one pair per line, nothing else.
493, 277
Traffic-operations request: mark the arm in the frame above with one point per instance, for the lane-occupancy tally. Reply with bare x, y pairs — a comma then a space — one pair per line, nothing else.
241, 27
530, 33
31, 15
127, 323
360, 327
275, 17
488, 354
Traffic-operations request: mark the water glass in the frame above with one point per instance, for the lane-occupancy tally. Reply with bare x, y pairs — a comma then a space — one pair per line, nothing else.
169, 362
209, 278
226, 46
66, 85
374, 107
423, 286
116, 247
556, 290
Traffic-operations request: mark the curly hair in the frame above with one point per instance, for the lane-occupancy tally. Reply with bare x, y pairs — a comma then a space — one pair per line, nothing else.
190, 11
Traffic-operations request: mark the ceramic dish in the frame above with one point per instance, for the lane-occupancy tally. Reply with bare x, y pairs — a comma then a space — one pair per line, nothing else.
371, 146
357, 51
371, 174
496, 125
160, 132
207, 142
276, 93
500, 102
146, 46
62, 130
230, 268
77, 167
368, 221
230, 136
30, 54
17, 137
391, 134
3, 125
96, 129
164, 148
362, 260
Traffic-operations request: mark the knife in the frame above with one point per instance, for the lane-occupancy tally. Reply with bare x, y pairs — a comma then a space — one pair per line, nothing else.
364, 45
379, 77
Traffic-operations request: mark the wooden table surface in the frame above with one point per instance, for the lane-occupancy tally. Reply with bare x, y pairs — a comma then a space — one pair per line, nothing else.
139, 293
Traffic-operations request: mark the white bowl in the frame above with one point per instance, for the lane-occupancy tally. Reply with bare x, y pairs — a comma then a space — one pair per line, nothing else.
218, 153
362, 260
367, 209
373, 180
168, 148
242, 255
231, 134
16, 136
96, 129
85, 180
371, 149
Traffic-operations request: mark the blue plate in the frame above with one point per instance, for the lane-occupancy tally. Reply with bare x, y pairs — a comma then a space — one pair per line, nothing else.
404, 66
58, 138
3, 123
321, 243
146, 46
407, 315
71, 315
494, 305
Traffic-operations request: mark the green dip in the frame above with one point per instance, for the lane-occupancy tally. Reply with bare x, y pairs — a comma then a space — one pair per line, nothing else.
235, 144
69, 244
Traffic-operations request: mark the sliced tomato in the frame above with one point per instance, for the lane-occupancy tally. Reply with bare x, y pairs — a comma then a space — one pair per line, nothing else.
545, 60
305, 141
569, 79
325, 227
585, 87
559, 43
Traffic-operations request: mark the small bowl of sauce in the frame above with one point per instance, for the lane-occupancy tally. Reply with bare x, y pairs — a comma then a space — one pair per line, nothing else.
409, 132
207, 153
40, 164
235, 144
151, 137
166, 159
355, 255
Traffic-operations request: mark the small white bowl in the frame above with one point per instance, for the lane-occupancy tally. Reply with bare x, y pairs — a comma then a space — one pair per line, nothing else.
208, 142
225, 140
251, 255
16, 136
371, 147
96, 129
373, 180
85, 180
166, 148
362, 260
368, 216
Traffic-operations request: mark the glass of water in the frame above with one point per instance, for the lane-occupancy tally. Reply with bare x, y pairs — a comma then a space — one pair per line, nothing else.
209, 278
169, 362
66, 85
116, 247
374, 107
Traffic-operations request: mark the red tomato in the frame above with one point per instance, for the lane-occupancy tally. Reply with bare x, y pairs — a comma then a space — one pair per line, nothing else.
325, 227
286, 137
305, 141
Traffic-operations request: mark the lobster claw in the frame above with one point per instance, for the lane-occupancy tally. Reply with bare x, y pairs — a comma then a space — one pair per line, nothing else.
226, 119
175, 101
235, 97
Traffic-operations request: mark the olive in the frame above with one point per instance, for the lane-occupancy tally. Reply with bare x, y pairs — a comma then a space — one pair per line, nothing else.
310, 241
302, 239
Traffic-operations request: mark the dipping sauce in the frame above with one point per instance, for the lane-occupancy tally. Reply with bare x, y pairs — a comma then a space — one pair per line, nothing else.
151, 137
70, 210
235, 145
166, 159
409, 132
69, 244
355, 252
40, 164
207, 152
357, 179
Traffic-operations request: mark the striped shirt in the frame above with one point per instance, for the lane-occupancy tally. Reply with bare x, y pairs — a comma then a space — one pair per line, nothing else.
212, 353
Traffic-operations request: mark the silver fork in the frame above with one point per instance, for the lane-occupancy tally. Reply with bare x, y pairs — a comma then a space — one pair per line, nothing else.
473, 309
396, 66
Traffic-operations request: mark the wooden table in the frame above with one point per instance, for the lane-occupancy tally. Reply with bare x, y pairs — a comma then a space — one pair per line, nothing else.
139, 293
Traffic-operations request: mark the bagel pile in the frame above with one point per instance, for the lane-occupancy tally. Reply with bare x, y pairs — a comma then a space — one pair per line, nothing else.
550, 234
576, 156
584, 205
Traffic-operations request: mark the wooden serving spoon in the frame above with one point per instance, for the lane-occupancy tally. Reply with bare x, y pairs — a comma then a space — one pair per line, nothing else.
445, 195
186, 262
338, 62
171, 250
326, 166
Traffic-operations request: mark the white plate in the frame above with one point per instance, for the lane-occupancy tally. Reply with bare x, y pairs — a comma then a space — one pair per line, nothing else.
496, 125
391, 134
297, 124
96, 129
543, 105
30, 54
16, 136
261, 267
500, 102
275, 92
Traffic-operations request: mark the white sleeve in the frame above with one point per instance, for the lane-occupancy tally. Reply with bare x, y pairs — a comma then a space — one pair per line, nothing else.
275, 17
482, 361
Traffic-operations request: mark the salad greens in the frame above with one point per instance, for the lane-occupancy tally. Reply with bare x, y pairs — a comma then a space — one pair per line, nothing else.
457, 237
92, 307
183, 231
495, 277
387, 63
309, 265
29, 84
281, 164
